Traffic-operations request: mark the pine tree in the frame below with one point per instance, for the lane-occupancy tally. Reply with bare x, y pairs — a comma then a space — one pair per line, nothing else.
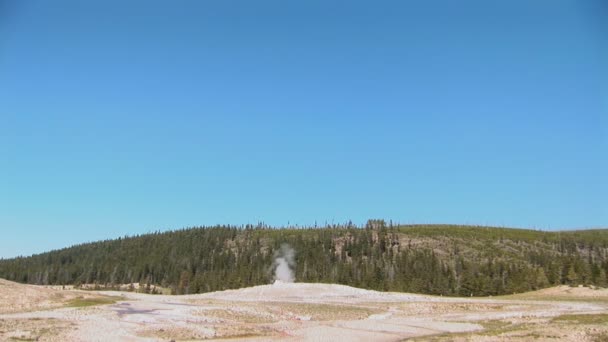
541, 279
572, 278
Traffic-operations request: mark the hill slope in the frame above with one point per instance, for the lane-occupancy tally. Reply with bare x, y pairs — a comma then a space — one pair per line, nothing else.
433, 259
16, 297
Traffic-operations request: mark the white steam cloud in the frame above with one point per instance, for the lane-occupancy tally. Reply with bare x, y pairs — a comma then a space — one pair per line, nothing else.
284, 264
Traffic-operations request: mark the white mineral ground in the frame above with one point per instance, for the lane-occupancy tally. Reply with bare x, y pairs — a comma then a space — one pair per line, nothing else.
281, 311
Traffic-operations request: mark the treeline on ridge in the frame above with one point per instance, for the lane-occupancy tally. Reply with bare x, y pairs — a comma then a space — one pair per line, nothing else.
432, 259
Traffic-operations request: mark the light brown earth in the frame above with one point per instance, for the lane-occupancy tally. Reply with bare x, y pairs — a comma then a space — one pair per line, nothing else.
299, 312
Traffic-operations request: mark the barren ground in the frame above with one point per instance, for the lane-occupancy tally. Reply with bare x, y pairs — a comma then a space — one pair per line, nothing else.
299, 312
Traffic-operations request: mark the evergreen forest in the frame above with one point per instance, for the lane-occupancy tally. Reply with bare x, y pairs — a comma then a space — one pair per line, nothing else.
444, 260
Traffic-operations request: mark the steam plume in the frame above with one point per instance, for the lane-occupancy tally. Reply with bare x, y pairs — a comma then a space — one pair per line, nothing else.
284, 264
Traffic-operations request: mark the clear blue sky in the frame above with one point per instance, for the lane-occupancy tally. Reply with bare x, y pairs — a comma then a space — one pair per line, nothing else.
123, 117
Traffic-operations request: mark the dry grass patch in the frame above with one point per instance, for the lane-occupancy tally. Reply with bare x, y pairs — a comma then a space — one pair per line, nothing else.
272, 312
34, 329
583, 319
580, 327
170, 333
242, 332
564, 293
320, 312
445, 308
240, 315
223, 331
16, 297
493, 330
81, 301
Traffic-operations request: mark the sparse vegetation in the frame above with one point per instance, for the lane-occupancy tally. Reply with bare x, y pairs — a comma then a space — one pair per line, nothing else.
321, 312
32, 329
583, 319
84, 302
490, 328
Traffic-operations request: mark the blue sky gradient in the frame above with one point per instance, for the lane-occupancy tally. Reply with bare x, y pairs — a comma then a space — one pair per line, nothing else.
124, 117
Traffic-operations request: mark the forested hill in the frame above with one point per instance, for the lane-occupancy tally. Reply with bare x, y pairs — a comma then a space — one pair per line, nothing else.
434, 259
